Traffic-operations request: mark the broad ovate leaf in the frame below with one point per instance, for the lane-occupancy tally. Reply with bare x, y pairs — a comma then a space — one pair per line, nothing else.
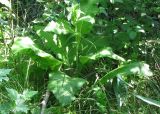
149, 100
106, 52
23, 43
84, 24
90, 6
64, 87
139, 68
3, 74
27, 46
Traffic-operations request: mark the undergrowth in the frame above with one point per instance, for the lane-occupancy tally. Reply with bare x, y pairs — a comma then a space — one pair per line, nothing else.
79, 57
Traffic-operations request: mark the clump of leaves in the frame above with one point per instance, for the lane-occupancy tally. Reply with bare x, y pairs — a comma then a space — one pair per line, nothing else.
17, 101
3, 74
67, 46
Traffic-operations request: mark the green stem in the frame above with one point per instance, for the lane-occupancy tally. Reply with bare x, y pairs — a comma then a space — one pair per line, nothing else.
78, 39
11, 23
27, 72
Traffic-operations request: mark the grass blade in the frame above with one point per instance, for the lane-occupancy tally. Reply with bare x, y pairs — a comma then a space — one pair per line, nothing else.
149, 100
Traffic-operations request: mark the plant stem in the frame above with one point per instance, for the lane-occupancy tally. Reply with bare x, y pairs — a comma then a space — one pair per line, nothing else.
44, 102
78, 40
27, 73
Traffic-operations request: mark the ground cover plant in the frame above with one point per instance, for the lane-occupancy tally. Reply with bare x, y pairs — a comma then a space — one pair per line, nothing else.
79, 56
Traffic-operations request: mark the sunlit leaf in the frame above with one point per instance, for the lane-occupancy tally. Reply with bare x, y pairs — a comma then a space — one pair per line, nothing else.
3, 74
114, 1
107, 52
26, 45
28, 94
149, 100
6, 3
140, 68
74, 13
87, 19
84, 24
40, 1
61, 27
90, 6
140, 29
13, 94
64, 87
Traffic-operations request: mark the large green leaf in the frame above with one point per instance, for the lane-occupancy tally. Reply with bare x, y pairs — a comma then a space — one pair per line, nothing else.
107, 52
90, 6
3, 74
60, 27
149, 100
84, 24
26, 45
51, 41
140, 68
64, 87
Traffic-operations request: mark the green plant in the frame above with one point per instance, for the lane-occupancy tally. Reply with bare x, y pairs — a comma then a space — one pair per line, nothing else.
17, 102
3, 74
85, 57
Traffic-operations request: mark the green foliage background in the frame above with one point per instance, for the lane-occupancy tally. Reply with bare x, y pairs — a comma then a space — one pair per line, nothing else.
79, 56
